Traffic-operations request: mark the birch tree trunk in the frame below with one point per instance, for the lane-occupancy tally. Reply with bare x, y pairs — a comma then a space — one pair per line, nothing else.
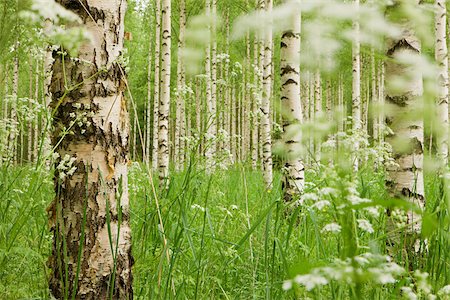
211, 105
374, 96
266, 126
89, 217
317, 95
30, 122
181, 83
164, 106
149, 127
356, 85
157, 86
405, 179
255, 105
36, 121
15, 88
442, 60
294, 178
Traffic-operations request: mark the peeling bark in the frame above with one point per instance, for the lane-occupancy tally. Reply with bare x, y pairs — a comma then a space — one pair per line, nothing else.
89, 217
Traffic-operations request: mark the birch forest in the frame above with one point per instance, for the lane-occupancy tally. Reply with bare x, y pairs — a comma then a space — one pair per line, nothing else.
224, 149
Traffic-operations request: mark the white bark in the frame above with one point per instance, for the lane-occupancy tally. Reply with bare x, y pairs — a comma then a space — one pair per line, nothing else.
164, 105
149, 126
266, 126
441, 54
294, 178
180, 126
406, 178
90, 214
12, 146
157, 86
211, 105
356, 84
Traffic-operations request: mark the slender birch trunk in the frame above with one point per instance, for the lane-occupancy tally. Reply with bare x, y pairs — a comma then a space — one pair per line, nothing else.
294, 177
148, 122
266, 126
374, 96
14, 128
181, 85
164, 106
317, 96
356, 85
216, 124
157, 86
441, 54
210, 100
36, 121
255, 105
30, 106
405, 178
89, 217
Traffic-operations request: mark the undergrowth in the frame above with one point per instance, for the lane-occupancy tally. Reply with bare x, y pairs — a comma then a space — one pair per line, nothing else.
223, 236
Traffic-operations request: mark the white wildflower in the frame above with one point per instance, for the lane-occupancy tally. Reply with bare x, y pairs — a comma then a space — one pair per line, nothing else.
355, 200
196, 206
365, 225
445, 291
55, 155
321, 204
287, 285
310, 281
310, 196
373, 211
408, 293
381, 276
332, 227
328, 191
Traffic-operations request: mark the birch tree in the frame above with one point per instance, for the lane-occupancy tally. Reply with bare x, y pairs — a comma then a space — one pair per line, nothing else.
89, 217
356, 84
210, 101
181, 82
156, 93
290, 98
441, 54
265, 105
405, 178
164, 106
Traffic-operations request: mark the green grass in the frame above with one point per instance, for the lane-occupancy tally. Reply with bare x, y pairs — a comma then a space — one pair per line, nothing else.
224, 237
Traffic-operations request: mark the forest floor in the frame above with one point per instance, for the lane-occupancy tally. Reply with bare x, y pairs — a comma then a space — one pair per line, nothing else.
224, 236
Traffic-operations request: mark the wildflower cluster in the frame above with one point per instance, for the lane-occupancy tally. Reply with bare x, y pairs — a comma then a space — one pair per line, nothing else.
367, 267
65, 167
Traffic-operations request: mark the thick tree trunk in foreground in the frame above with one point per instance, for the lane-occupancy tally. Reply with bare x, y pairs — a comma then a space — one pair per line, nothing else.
164, 105
406, 178
89, 216
294, 178
442, 60
266, 126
